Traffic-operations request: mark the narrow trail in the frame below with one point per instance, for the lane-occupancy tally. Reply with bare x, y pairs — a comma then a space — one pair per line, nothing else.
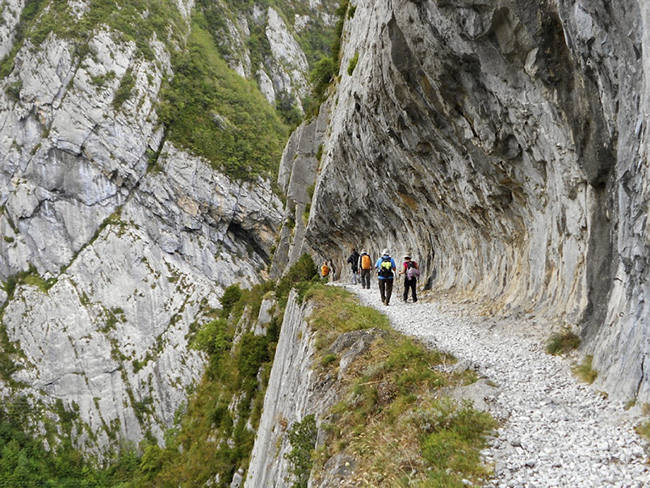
556, 432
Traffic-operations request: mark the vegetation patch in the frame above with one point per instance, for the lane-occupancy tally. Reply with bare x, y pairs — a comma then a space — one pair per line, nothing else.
302, 437
584, 371
29, 277
214, 437
302, 276
353, 63
326, 69
563, 342
26, 462
392, 426
213, 112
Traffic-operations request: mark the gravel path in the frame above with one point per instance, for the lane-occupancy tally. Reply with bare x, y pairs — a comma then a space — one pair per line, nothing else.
555, 430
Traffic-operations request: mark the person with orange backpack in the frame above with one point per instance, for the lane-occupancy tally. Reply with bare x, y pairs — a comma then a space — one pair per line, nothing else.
365, 265
324, 270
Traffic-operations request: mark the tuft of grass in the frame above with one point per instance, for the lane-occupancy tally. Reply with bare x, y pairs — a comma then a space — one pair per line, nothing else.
643, 430
338, 310
645, 409
584, 370
563, 342
353, 63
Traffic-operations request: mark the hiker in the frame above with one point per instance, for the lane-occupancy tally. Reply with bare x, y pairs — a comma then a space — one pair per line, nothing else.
411, 273
353, 259
324, 270
385, 268
365, 265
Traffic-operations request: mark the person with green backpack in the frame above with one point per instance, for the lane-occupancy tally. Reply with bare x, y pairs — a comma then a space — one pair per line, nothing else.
385, 268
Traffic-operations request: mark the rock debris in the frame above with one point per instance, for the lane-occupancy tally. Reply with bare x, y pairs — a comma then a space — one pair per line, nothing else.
555, 431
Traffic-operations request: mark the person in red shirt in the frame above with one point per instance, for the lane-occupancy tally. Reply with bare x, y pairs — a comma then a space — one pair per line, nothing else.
411, 273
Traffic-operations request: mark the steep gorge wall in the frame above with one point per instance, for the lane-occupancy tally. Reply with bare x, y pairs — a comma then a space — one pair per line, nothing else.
508, 138
116, 245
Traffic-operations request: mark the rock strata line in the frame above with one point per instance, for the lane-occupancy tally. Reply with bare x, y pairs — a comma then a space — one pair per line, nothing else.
556, 432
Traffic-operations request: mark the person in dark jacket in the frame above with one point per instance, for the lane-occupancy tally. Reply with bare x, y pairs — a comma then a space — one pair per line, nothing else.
353, 260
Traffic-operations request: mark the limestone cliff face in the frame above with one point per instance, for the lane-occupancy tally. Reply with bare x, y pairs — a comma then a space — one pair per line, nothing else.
505, 143
282, 72
108, 260
299, 387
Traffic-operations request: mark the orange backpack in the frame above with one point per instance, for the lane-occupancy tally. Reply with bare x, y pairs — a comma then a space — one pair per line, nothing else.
365, 262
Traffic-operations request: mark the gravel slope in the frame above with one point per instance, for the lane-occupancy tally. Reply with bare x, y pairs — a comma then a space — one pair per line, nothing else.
556, 431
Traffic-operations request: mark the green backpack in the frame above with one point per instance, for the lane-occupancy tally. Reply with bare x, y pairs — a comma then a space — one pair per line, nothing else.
386, 268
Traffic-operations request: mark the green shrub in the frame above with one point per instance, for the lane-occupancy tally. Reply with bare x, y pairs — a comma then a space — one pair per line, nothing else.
353, 63
563, 342
303, 270
302, 437
320, 77
253, 352
230, 297
123, 93
26, 462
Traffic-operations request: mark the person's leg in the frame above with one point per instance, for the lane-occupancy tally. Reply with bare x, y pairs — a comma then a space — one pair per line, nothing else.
389, 290
382, 290
415, 297
354, 278
365, 278
406, 289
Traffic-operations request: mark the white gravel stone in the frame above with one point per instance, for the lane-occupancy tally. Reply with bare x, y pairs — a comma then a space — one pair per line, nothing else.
555, 431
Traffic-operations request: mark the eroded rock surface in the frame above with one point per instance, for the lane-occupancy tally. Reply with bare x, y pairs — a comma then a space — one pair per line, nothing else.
116, 241
505, 144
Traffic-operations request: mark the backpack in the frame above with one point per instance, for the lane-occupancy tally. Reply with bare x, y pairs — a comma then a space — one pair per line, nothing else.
365, 262
325, 270
412, 272
386, 268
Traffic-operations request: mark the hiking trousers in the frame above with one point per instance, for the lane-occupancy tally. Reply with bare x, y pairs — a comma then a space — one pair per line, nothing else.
365, 278
355, 276
410, 284
385, 289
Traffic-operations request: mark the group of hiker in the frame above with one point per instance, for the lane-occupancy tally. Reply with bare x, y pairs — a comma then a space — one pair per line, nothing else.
362, 267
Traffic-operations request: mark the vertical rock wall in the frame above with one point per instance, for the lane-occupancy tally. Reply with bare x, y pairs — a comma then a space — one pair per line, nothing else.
114, 259
286, 399
505, 143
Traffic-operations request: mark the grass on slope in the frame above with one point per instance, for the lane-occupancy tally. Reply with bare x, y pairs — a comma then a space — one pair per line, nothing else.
393, 426
212, 111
